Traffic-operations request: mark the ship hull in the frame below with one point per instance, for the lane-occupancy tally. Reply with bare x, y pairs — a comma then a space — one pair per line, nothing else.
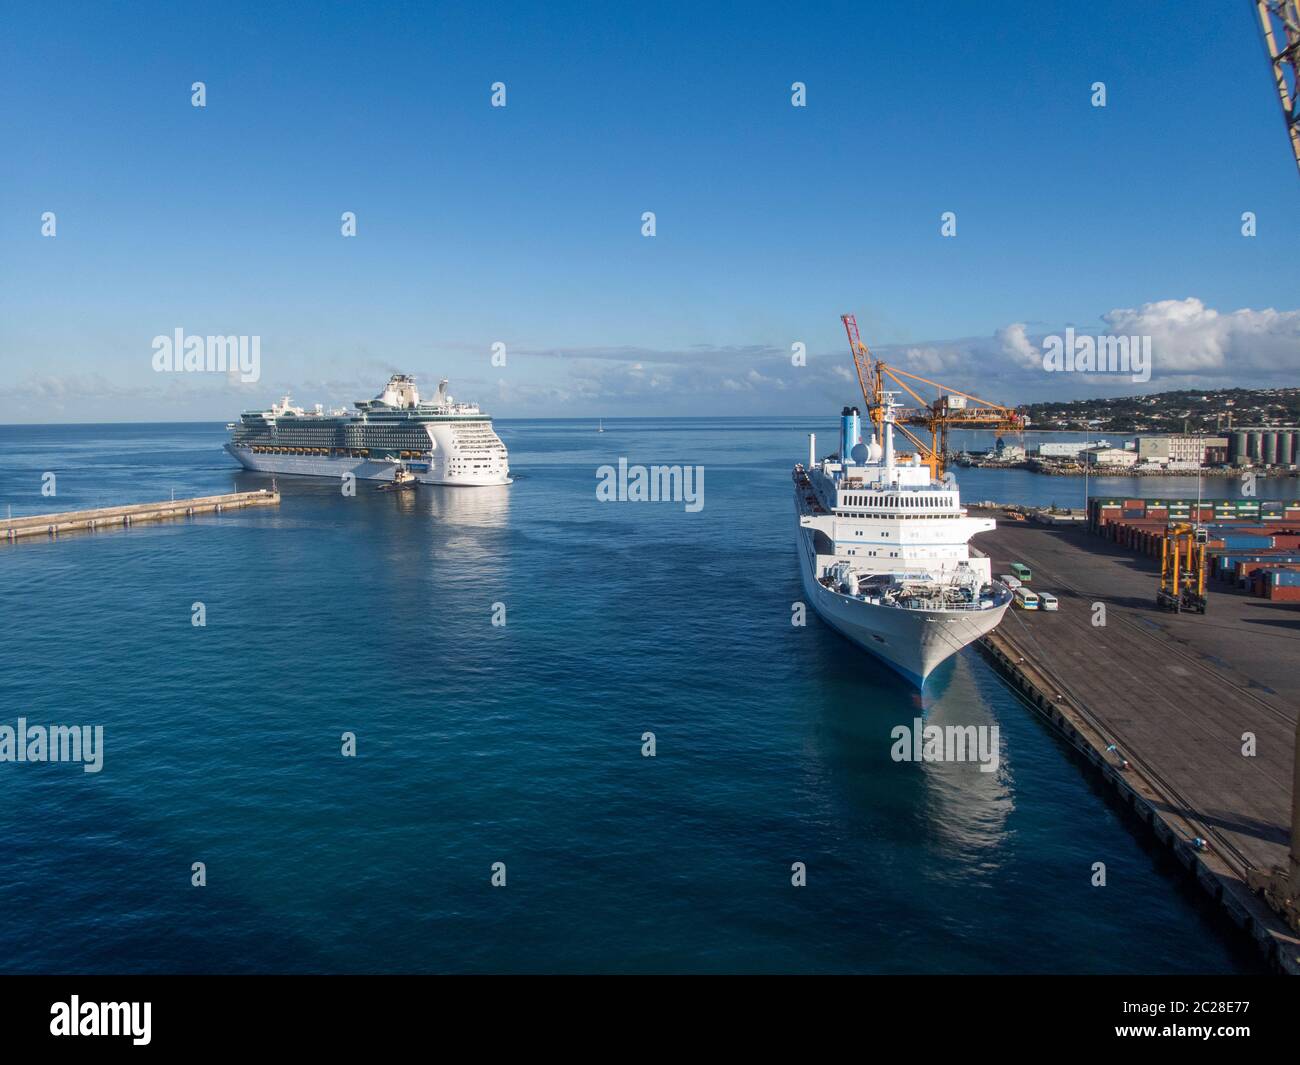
913, 643
362, 469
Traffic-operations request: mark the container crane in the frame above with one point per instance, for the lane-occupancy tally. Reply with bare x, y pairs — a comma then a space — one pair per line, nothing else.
952, 408
1279, 21
1182, 570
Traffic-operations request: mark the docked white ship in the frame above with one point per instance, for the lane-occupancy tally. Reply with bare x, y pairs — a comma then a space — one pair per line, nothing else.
441, 442
884, 552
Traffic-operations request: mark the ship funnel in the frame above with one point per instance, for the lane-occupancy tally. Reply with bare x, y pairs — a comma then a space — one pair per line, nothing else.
850, 433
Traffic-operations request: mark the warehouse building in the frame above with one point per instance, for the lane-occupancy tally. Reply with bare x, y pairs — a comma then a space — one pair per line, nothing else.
1110, 456
1061, 449
1180, 449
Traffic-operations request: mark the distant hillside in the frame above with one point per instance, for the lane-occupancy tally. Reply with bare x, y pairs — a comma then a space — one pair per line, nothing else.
1172, 412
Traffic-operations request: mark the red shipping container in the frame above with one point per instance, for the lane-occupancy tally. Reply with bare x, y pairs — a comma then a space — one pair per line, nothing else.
1242, 570
1246, 568
1285, 594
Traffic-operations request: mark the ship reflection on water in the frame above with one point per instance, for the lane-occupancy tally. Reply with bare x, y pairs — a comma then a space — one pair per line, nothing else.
969, 798
464, 517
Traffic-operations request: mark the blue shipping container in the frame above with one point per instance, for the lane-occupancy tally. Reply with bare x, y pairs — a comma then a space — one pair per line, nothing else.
1226, 565
1238, 542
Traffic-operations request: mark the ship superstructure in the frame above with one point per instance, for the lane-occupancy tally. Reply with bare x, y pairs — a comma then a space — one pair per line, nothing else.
884, 553
441, 442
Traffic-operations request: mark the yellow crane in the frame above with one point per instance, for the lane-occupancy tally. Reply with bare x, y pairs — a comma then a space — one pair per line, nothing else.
952, 407
1182, 570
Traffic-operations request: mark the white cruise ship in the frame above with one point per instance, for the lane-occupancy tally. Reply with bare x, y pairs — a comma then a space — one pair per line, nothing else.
884, 555
442, 442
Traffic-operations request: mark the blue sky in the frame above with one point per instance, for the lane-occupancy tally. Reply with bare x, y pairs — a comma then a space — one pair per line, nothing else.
522, 224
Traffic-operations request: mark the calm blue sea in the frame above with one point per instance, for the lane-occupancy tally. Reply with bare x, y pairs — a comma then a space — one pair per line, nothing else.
521, 744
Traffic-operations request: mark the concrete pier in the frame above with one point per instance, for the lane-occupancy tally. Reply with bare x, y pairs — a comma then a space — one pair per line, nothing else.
53, 525
1165, 706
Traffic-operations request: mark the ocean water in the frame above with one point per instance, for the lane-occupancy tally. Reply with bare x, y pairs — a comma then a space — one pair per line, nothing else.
521, 744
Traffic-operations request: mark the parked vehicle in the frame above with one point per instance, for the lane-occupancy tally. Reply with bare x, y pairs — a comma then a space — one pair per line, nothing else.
1047, 601
1025, 599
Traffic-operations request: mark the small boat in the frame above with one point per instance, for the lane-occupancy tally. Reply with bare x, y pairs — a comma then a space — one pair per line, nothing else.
403, 479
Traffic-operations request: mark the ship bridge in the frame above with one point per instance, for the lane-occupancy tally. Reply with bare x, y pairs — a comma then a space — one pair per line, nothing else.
881, 515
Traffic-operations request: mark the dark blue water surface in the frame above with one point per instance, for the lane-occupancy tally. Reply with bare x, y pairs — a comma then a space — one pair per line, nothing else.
521, 744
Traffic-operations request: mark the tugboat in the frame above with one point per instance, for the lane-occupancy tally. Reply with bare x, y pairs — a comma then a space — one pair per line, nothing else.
403, 479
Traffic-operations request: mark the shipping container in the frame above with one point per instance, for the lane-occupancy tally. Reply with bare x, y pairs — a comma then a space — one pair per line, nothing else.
1242, 516
1237, 542
1254, 575
1225, 566
1251, 569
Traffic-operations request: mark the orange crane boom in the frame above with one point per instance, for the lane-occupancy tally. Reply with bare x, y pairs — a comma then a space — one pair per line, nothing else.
952, 407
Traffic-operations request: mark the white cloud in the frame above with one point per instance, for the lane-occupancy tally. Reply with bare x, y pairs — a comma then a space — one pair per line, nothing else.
1189, 338
1016, 345
1193, 346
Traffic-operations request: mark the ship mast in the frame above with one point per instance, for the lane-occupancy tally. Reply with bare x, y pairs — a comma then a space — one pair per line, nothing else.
887, 405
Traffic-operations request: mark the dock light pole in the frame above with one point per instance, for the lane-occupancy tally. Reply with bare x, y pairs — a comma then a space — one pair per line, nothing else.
1200, 478
1087, 443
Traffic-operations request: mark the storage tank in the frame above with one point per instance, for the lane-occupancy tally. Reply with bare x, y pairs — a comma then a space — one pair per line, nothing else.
1255, 446
1270, 449
1292, 448
1237, 449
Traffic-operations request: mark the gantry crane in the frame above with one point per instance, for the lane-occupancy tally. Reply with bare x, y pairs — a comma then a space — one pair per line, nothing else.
1279, 20
1182, 570
951, 408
